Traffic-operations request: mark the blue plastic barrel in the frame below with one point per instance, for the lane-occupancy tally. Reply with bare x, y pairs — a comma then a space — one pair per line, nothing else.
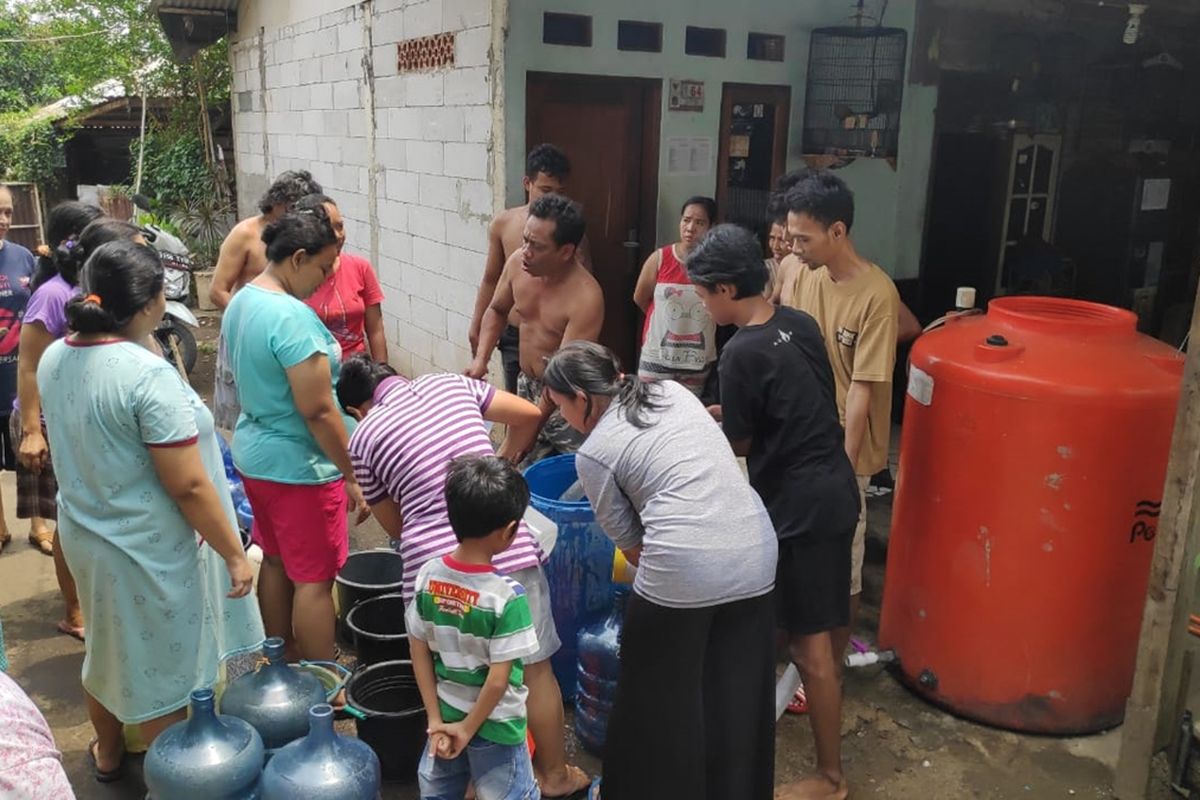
580, 568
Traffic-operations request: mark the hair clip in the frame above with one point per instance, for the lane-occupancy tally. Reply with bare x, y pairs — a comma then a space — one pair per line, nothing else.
93, 298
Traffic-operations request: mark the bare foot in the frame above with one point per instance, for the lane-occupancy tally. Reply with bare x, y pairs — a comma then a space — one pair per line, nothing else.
5, 538
566, 783
814, 787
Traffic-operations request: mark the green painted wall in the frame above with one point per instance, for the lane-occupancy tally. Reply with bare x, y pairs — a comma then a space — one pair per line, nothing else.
891, 203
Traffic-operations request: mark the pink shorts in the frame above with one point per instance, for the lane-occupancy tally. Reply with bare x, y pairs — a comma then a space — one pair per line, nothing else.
304, 525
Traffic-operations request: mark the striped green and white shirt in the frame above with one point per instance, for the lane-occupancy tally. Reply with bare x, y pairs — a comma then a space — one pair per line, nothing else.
472, 617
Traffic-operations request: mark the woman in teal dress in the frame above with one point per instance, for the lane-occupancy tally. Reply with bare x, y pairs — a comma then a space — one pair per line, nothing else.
146, 521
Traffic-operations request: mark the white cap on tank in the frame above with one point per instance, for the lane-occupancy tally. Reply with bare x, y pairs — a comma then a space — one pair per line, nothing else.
965, 297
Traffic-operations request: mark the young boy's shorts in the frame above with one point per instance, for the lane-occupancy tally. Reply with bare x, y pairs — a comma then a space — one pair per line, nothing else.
537, 593
500, 772
812, 583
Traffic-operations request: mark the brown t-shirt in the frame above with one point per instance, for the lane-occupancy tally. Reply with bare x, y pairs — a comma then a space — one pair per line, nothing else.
858, 321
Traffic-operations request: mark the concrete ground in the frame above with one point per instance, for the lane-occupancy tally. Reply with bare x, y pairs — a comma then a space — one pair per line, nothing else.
895, 745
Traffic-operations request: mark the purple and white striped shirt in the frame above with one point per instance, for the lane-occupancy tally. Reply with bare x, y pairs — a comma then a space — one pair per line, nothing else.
401, 450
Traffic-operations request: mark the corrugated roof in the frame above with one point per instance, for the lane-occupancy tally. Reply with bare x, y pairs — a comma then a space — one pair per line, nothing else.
194, 5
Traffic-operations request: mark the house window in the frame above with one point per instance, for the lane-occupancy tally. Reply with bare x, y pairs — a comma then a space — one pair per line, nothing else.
574, 30
705, 42
764, 47
645, 37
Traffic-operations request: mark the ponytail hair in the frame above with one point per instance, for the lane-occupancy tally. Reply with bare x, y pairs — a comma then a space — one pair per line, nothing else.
593, 369
64, 224
70, 261
358, 379
119, 280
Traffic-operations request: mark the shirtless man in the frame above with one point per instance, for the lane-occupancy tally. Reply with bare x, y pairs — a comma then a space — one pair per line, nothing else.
546, 171
557, 301
242, 258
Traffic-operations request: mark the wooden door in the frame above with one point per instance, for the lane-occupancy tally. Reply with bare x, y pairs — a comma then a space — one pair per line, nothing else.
26, 228
752, 151
609, 128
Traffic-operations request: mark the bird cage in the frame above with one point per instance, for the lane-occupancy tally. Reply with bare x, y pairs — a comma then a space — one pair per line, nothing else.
855, 84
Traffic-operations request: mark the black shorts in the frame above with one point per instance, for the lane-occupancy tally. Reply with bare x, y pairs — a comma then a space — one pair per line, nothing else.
8, 453
510, 356
812, 584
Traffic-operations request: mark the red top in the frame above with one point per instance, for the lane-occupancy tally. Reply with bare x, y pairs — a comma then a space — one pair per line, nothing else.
670, 270
342, 301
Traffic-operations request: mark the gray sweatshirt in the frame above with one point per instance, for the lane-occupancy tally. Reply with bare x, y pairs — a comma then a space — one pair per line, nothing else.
675, 487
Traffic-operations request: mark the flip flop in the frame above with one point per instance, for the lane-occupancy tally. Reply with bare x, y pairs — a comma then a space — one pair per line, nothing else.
799, 704
101, 776
43, 544
71, 630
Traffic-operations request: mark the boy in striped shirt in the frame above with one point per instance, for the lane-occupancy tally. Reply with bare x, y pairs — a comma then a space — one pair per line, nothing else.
468, 628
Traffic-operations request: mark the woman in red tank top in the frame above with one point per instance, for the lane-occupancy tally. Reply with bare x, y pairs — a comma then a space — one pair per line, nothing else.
678, 334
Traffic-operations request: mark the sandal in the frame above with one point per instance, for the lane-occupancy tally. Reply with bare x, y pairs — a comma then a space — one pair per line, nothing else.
43, 542
799, 704
75, 632
102, 776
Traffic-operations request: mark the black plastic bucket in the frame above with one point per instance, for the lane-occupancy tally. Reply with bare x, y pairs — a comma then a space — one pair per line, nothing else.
395, 722
377, 629
366, 574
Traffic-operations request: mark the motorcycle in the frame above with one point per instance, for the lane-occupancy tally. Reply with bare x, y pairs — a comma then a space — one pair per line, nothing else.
174, 333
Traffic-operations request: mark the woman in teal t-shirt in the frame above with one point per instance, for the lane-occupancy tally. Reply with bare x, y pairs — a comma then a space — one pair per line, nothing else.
290, 440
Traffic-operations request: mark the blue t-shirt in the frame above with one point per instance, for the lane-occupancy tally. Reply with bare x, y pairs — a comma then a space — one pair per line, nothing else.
267, 333
16, 270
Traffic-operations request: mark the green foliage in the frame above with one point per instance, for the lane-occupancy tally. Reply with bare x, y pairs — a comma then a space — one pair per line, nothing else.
105, 42
28, 74
30, 151
174, 170
204, 223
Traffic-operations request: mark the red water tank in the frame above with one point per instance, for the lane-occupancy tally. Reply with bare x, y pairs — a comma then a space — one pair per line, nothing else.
1032, 464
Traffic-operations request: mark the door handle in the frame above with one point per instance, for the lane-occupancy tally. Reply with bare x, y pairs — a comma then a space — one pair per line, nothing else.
631, 245
631, 242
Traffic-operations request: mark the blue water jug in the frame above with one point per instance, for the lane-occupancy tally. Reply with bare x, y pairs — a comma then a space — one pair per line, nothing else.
599, 667
275, 699
579, 570
205, 757
322, 766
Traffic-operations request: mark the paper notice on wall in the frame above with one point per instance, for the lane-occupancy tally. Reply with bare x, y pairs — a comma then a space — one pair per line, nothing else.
689, 155
920, 386
739, 146
1156, 194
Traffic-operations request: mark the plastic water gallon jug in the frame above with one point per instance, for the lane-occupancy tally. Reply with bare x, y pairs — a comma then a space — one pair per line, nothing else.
205, 757
322, 766
275, 698
599, 666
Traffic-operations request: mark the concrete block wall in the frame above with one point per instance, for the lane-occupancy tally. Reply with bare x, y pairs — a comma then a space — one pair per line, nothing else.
409, 158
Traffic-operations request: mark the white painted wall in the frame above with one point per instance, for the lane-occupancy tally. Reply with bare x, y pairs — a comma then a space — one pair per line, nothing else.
408, 158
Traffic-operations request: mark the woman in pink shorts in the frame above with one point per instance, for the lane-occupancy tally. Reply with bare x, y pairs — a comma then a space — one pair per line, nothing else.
290, 440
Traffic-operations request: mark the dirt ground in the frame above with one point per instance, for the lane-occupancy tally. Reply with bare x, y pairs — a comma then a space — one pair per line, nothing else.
895, 745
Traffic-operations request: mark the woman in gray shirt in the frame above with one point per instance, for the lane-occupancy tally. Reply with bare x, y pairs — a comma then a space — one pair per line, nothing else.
694, 710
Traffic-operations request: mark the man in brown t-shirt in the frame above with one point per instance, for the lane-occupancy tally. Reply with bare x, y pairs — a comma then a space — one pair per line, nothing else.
857, 308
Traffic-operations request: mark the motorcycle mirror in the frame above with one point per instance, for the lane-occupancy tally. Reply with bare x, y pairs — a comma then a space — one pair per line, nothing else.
142, 202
